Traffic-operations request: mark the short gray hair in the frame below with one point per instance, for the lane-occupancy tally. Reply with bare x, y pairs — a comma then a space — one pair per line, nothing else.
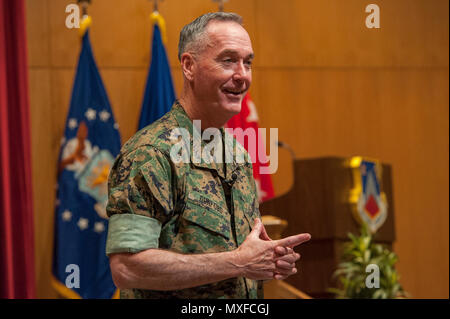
192, 32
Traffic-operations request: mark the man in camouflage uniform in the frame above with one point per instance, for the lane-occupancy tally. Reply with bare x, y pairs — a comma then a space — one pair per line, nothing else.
191, 229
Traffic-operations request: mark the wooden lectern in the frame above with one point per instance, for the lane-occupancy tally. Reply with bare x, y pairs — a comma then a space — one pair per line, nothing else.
318, 203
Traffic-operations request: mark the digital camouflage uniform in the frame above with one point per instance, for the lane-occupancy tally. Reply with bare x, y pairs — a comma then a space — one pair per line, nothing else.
189, 208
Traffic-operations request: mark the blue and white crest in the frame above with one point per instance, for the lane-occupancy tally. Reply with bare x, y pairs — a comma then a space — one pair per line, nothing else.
369, 202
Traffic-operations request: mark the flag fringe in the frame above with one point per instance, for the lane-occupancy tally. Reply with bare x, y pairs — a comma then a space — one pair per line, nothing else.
63, 290
69, 293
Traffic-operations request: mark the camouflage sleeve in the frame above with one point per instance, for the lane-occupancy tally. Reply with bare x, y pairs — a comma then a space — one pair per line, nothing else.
140, 200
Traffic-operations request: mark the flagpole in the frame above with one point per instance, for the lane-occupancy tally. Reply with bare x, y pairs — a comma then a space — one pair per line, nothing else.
155, 17
84, 5
86, 19
220, 3
155, 5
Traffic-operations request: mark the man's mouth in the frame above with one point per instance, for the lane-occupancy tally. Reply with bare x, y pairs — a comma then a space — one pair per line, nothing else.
234, 92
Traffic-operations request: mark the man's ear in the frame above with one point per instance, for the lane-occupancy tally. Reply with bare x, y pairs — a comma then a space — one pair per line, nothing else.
188, 65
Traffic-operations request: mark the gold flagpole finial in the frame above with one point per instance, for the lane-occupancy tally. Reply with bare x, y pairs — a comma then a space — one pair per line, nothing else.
155, 17
86, 19
221, 3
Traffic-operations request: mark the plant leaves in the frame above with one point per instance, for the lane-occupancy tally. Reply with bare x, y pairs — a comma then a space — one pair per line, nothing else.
359, 252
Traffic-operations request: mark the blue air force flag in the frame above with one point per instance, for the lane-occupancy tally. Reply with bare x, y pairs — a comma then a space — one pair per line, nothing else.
159, 92
91, 142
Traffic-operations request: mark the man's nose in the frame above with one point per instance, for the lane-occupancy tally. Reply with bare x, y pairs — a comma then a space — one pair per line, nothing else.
242, 72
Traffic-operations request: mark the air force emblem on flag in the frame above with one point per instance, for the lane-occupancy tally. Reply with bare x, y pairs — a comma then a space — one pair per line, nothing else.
369, 202
94, 180
91, 167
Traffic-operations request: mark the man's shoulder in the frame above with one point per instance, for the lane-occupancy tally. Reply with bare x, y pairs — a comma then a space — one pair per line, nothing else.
148, 148
154, 136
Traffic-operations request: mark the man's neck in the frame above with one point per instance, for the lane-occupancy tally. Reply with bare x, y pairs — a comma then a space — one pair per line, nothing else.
196, 111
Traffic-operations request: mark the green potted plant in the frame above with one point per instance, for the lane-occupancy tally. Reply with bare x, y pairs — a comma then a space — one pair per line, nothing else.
367, 270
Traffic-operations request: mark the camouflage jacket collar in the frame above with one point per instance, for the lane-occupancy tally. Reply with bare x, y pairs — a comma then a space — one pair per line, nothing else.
236, 151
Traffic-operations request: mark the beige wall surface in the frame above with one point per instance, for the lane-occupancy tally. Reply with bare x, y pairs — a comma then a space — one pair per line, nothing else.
331, 86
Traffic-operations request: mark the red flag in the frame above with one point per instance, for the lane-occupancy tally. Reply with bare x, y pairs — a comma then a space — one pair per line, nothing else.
248, 118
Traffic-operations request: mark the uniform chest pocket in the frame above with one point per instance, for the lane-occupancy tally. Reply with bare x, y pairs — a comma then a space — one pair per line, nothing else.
207, 214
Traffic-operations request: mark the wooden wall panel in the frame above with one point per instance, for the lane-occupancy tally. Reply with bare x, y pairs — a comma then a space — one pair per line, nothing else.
339, 111
43, 174
328, 110
333, 33
121, 34
125, 91
62, 82
37, 21
330, 85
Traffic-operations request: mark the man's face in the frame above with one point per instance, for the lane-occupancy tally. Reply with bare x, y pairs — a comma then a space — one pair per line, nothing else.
223, 74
